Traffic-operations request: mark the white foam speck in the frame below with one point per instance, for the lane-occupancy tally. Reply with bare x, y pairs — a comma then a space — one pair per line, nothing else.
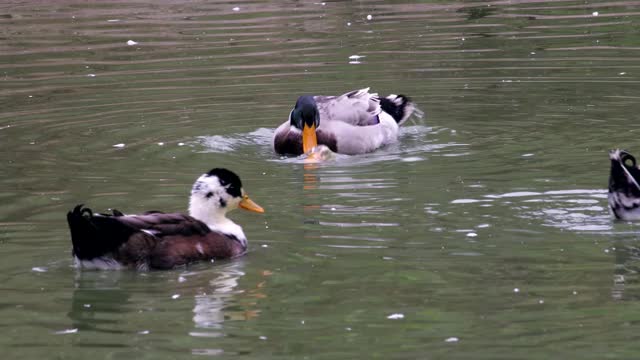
175, 296
540, 301
144, 332
595, 13
113, 20
527, 155
263, 338
181, 144
516, 290
265, 245
575, 292
161, 143
395, 316
91, 75
66, 331
472, 234
182, 279
39, 269
466, 201
236, 9
87, 306
482, 226
131, 43
356, 57
451, 339
369, 17
622, 73
121, 145
348, 24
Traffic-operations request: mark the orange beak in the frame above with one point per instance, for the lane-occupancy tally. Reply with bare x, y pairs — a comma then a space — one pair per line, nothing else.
249, 205
309, 140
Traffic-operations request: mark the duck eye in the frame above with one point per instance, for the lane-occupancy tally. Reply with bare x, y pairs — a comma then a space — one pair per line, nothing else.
630, 162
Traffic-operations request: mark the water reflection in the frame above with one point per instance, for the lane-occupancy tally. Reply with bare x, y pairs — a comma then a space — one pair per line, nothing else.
212, 304
625, 275
97, 301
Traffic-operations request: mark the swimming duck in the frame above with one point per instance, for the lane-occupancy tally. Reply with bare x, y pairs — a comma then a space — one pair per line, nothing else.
357, 122
157, 240
624, 188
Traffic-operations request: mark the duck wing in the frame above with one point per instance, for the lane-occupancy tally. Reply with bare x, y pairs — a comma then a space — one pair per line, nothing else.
358, 108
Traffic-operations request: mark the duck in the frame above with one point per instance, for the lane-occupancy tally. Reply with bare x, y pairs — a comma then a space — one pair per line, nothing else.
158, 240
624, 186
357, 122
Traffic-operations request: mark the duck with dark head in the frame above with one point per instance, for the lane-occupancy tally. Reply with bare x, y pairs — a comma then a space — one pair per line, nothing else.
624, 186
357, 122
157, 240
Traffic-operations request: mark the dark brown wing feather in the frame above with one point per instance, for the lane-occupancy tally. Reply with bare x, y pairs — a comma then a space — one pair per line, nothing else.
165, 241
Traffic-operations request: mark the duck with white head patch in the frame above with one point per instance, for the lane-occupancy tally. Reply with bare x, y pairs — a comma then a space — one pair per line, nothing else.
357, 122
156, 240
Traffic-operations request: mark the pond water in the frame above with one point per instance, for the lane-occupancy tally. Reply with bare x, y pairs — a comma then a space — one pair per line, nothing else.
483, 233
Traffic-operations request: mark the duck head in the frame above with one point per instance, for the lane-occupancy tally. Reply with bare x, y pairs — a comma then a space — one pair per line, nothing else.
306, 117
624, 188
625, 174
216, 193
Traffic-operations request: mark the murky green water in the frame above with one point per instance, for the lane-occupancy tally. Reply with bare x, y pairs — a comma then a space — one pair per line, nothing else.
482, 234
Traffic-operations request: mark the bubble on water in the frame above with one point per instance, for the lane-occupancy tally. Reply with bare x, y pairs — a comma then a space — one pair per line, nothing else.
39, 269
369, 17
356, 57
144, 332
595, 13
472, 234
182, 279
131, 43
121, 145
175, 296
91, 75
161, 143
66, 331
451, 339
541, 301
348, 24
263, 338
516, 290
236, 9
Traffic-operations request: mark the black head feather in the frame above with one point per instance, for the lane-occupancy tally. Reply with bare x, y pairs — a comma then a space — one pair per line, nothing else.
305, 112
229, 180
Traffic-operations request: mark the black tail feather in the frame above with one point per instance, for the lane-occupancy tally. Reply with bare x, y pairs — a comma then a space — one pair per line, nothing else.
398, 106
95, 235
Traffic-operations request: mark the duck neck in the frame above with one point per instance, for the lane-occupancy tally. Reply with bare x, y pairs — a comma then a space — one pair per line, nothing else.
216, 219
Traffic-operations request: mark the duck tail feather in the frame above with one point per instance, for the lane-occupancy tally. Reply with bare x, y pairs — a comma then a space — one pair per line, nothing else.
95, 235
400, 107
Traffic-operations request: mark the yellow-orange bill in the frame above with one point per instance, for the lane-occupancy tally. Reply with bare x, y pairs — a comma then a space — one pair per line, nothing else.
309, 140
249, 205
